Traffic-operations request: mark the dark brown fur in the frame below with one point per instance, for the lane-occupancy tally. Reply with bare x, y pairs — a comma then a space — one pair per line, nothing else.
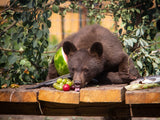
94, 52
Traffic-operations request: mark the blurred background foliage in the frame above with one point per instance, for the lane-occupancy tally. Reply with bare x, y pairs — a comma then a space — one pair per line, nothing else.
24, 34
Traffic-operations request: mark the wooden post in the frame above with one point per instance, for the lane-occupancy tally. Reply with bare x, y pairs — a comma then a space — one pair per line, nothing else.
62, 27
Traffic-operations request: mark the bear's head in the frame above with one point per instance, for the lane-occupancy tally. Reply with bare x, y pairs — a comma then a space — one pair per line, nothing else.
84, 64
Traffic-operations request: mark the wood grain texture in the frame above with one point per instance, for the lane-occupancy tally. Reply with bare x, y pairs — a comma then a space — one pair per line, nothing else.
106, 93
18, 95
146, 96
52, 95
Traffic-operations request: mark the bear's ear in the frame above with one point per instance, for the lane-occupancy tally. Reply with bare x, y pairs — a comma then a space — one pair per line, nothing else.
69, 48
96, 49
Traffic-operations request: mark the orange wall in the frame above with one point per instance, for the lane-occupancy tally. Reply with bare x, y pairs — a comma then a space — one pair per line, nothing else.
71, 24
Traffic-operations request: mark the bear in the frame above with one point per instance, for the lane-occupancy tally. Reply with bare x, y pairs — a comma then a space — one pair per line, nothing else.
95, 53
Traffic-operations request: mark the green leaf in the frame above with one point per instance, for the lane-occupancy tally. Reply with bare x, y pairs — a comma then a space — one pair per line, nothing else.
128, 42
12, 59
57, 2
138, 11
35, 25
138, 32
25, 62
39, 34
90, 13
155, 65
3, 59
47, 14
139, 63
142, 31
15, 36
20, 35
157, 60
31, 4
134, 40
120, 31
143, 42
92, 6
35, 44
45, 43
55, 8
132, 9
45, 29
22, 62
17, 16
149, 60
48, 23
130, 28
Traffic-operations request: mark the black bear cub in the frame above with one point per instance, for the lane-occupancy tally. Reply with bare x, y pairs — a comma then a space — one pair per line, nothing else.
94, 52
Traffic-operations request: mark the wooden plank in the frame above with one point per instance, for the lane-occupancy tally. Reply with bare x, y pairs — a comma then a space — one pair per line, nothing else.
145, 96
106, 93
52, 95
18, 95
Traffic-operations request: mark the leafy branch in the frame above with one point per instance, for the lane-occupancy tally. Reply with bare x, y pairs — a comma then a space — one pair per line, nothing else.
7, 28
10, 7
11, 50
22, 51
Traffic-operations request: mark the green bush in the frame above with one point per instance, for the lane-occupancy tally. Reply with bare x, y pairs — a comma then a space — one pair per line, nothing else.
23, 39
139, 18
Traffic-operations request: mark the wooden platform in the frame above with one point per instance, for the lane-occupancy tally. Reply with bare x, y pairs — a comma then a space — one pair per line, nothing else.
107, 100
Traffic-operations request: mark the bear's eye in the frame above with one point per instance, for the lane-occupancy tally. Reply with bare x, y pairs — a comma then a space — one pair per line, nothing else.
73, 69
85, 70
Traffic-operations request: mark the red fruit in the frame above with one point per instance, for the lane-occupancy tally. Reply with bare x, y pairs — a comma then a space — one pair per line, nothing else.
66, 87
72, 87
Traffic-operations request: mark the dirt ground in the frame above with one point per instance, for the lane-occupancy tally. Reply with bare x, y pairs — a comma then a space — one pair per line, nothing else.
34, 117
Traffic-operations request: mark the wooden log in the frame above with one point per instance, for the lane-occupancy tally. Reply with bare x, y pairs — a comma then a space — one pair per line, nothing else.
18, 95
106, 93
52, 95
145, 96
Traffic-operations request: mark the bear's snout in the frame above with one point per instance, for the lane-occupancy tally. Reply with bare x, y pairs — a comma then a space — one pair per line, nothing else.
79, 80
77, 85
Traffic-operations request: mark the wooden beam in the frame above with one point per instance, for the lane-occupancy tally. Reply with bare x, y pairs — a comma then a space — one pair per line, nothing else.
57, 96
18, 95
105, 93
145, 96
